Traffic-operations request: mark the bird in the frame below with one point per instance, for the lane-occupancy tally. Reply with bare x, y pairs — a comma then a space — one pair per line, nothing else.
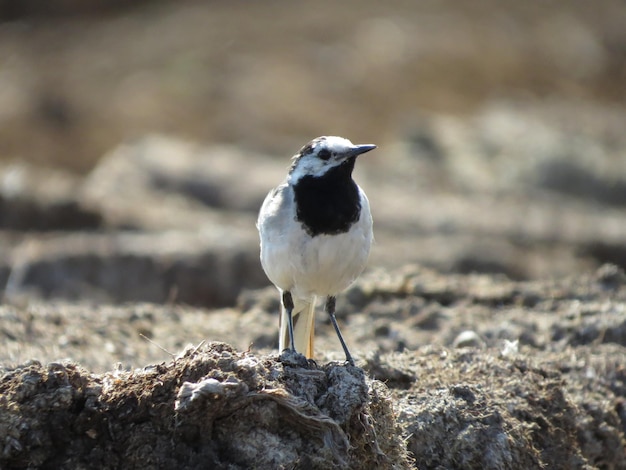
316, 232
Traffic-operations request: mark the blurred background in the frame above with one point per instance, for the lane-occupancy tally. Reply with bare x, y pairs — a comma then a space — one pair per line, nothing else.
138, 138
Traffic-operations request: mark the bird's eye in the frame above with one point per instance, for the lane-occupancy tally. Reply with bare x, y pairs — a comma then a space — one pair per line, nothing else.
324, 154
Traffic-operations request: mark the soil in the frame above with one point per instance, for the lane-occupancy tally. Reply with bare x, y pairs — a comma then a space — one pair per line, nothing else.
137, 328
465, 371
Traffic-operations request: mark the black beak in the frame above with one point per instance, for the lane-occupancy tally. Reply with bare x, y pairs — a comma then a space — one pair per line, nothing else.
359, 149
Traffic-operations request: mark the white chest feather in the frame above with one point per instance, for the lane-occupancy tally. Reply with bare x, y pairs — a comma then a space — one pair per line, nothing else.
307, 265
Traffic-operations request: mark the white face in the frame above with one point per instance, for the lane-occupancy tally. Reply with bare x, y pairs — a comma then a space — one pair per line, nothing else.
322, 154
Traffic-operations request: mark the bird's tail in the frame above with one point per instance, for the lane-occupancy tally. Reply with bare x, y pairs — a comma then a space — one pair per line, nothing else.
303, 327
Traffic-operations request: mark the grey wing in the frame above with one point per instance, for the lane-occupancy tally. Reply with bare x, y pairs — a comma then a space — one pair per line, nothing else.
277, 210
276, 230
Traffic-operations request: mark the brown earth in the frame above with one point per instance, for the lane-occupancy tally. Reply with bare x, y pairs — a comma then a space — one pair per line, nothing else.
138, 139
270, 76
458, 371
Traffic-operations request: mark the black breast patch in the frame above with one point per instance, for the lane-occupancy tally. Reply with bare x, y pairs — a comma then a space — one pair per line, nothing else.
328, 204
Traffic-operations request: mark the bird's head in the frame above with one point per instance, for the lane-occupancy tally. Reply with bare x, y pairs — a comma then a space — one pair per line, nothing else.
324, 153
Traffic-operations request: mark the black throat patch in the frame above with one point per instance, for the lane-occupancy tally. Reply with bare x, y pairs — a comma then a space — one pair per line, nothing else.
328, 204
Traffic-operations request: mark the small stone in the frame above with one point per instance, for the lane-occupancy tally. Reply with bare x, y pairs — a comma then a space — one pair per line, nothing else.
468, 339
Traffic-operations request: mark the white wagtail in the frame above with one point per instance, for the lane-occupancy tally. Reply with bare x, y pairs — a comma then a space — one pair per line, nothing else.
316, 233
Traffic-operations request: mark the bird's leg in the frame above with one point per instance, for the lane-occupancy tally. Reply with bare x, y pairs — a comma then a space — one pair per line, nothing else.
288, 304
330, 308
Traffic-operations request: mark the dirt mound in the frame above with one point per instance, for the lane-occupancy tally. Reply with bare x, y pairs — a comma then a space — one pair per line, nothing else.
212, 407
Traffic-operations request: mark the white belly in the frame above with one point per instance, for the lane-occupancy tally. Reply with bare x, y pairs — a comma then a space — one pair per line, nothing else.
328, 264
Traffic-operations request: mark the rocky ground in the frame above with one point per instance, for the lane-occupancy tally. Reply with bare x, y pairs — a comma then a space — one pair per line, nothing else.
137, 329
